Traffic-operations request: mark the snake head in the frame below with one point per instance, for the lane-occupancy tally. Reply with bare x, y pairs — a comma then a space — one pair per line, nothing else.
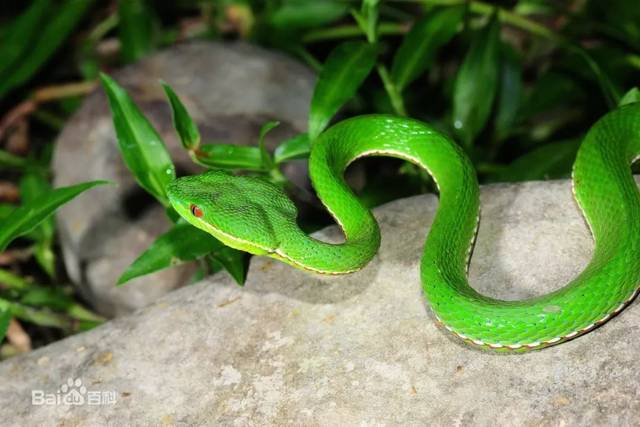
241, 211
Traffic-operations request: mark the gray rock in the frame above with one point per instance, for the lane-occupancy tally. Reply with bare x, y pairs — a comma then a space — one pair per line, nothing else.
230, 89
292, 348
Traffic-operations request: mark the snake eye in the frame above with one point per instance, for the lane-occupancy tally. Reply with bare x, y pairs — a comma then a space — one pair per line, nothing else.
195, 211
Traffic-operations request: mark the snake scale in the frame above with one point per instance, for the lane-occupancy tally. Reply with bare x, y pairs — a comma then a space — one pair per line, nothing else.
253, 215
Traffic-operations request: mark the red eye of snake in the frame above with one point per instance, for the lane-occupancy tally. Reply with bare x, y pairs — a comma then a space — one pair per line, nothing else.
195, 211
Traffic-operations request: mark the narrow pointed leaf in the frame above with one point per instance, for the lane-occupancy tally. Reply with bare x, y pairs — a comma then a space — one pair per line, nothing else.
476, 83
5, 317
24, 218
420, 46
294, 148
20, 34
182, 121
267, 161
8, 160
342, 74
141, 146
180, 244
235, 262
633, 95
303, 14
546, 162
510, 92
136, 28
229, 156
53, 32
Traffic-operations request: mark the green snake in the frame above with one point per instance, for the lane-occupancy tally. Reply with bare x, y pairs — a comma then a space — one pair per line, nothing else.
256, 216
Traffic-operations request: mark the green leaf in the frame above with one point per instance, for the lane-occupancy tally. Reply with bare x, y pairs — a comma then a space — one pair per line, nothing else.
633, 95
5, 210
235, 262
54, 31
26, 217
20, 34
368, 19
8, 160
551, 91
302, 14
420, 46
141, 146
182, 121
342, 74
294, 148
181, 243
546, 162
267, 161
510, 96
476, 83
136, 29
33, 185
229, 156
5, 318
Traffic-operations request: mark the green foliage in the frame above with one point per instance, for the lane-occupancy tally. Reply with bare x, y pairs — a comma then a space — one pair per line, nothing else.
30, 214
185, 126
8, 160
421, 44
141, 146
137, 29
5, 317
303, 14
35, 37
181, 243
510, 92
148, 160
267, 161
547, 162
476, 83
342, 74
229, 156
33, 186
294, 148
633, 95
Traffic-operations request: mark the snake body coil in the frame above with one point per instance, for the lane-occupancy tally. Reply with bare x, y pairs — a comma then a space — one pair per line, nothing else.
253, 215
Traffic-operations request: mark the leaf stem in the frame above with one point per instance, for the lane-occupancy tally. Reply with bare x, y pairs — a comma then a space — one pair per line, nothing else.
348, 31
392, 90
9, 280
40, 317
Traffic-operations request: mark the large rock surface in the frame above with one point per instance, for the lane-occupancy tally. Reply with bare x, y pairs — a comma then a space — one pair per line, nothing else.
292, 348
230, 89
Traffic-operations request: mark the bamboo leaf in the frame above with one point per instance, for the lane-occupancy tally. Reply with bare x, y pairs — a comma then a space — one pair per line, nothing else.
185, 126
476, 83
267, 161
293, 148
137, 28
420, 46
24, 218
546, 162
141, 146
508, 103
633, 95
229, 156
342, 74
54, 31
180, 244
